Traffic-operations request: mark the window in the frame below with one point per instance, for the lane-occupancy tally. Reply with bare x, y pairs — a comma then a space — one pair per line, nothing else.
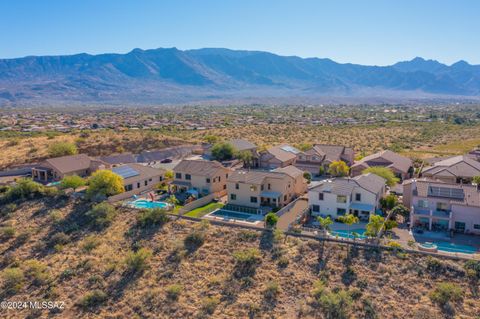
423, 203
253, 199
178, 175
341, 199
219, 178
237, 186
285, 198
460, 226
208, 180
138, 185
233, 196
268, 186
261, 187
316, 208
146, 183
128, 187
476, 226
320, 196
443, 207
224, 186
358, 197
341, 211
149, 179
161, 178
188, 177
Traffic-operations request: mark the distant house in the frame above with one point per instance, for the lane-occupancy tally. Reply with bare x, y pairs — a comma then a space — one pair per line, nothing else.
321, 155
359, 196
117, 159
138, 178
257, 188
278, 156
205, 177
54, 169
436, 205
241, 145
175, 152
457, 169
474, 154
401, 166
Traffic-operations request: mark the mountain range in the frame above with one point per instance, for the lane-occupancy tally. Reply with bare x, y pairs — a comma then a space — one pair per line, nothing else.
169, 75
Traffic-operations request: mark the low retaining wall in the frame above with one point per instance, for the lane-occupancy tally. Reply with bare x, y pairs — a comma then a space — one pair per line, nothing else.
196, 204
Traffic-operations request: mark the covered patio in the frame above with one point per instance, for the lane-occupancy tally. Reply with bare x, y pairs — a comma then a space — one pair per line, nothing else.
271, 199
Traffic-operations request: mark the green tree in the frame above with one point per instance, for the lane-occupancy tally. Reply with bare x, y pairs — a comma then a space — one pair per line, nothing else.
375, 224
223, 151
325, 225
246, 157
338, 169
308, 177
73, 181
321, 171
389, 202
62, 149
476, 180
169, 174
383, 172
271, 220
304, 146
104, 183
401, 210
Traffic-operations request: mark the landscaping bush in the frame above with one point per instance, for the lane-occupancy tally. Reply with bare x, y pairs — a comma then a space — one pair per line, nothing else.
174, 291
93, 299
445, 293
102, 215
271, 220
13, 279
150, 217
73, 181
137, 262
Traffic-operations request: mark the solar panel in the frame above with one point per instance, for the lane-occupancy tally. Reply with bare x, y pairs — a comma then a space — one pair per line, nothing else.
125, 171
456, 193
290, 149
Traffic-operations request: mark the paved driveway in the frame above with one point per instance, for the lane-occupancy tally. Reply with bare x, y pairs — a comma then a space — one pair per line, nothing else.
289, 217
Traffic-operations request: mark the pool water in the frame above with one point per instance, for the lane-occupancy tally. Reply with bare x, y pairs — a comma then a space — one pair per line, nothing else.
142, 203
234, 215
348, 233
455, 248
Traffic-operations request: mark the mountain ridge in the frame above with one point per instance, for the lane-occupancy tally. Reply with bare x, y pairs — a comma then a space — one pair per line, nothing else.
170, 75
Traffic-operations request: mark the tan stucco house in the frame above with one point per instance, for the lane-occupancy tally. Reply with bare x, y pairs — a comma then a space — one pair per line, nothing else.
278, 156
457, 169
256, 188
205, 177
401, 166
321, 156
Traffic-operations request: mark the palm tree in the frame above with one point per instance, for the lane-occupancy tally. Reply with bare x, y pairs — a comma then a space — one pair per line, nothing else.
325, 225
349, 219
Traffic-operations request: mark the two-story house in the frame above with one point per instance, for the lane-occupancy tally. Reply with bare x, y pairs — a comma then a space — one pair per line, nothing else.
401, 166
359, 196
436, 205
205, 177
320, 156
457, 169
256, 188
138, 178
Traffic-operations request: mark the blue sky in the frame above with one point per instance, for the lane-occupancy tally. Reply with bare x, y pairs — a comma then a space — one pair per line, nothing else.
359, 31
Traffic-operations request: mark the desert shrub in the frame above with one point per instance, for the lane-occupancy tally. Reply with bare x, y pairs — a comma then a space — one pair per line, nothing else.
394, 245
8, 209
13, 279
138, 261
93, 299
445, 293
62, 149
335, 305
174, 291
90, 243
283, 262
194, 240
7, 232
369, 309
318, 289
24, 189
58, 239
473, 269
36, 271
272, 289
246, 260
102, 215
209, 304
434, 265
55, 216
150, 217
247, 235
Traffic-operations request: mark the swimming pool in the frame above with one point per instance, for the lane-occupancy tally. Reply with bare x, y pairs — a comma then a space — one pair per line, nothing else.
228, 214
348, 233
143, 203
455, 248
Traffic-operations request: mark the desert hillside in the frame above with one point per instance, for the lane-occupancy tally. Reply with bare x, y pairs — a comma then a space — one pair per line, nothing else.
123, 266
